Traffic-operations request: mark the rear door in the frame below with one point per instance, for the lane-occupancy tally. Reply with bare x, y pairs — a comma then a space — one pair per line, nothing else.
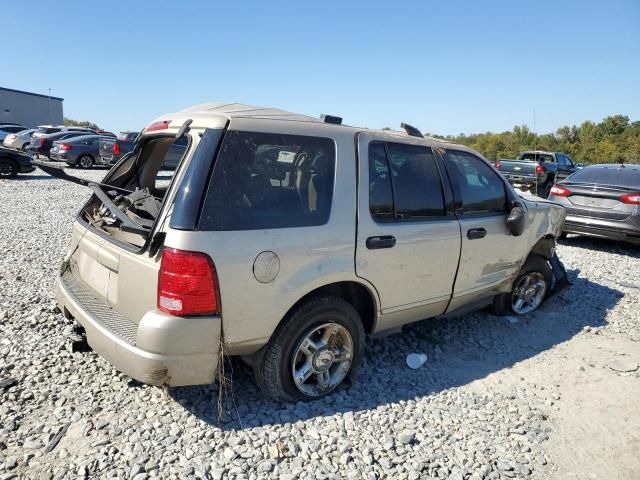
408, 240
489, 253
565, 167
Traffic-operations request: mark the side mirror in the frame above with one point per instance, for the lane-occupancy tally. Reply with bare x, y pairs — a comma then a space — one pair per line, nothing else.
517, 220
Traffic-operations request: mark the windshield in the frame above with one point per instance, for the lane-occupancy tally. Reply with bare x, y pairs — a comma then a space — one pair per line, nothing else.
615, 175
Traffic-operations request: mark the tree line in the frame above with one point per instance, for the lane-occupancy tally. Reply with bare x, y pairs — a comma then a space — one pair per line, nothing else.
613, 140
70, 122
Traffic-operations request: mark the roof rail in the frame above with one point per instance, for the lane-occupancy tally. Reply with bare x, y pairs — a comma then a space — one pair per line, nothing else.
412, 131
331, 119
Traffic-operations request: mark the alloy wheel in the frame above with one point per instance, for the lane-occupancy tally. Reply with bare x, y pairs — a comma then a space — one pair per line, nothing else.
322, 359
528, 293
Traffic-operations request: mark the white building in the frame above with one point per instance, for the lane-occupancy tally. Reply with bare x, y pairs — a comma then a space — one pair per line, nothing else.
29, 109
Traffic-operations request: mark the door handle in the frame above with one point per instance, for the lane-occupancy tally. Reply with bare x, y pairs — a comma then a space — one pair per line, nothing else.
475, 233
383, 241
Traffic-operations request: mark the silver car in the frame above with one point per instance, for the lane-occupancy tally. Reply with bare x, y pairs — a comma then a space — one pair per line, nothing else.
287, 239
19, 140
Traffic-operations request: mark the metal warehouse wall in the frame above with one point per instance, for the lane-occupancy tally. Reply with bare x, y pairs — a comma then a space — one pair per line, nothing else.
30, 109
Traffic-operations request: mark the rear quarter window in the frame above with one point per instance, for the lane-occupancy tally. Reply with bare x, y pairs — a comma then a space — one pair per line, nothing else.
266, 180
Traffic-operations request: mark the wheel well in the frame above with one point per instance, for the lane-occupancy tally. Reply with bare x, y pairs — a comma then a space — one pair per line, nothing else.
544, 247
355, 293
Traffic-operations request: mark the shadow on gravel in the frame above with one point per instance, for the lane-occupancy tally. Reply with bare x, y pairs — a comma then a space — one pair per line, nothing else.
25, 178
602, 245
460, 350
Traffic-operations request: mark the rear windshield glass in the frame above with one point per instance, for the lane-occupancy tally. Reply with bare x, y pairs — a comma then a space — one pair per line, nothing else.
537, 157
615, 176
265, 180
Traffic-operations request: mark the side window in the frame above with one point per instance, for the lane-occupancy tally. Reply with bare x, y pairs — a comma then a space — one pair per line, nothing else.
478, 188
404, 182
416, 181
380, 193
266, 180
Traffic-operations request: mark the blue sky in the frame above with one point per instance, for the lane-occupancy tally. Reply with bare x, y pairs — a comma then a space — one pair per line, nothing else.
445, 67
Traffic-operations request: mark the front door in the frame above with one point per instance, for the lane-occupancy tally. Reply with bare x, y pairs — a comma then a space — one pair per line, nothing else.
408, 241
490, 255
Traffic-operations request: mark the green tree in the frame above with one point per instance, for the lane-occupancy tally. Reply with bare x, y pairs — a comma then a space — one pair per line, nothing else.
70, 122
614, 139
614, 125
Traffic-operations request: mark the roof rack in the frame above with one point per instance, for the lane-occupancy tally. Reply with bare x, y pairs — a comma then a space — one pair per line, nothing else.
331, 119
412, 131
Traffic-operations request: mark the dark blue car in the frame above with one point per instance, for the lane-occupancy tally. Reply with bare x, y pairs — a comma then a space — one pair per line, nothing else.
78, 151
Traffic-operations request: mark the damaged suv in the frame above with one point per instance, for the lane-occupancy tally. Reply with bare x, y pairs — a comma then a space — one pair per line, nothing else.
286, 239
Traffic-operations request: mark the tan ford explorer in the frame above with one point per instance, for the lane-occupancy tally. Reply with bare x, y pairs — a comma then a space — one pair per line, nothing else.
288, 239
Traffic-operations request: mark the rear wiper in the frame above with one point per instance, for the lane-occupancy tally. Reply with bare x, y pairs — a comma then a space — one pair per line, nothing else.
126, 224
59, 172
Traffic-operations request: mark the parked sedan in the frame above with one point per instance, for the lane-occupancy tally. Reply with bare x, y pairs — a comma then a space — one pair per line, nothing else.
20, 140
42, 145
13, 162
602, 201
43, 130
8, 129
79, 151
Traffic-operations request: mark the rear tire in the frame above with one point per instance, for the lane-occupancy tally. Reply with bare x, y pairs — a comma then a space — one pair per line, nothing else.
8, 168
312, 352
85, 161
545, 189
531, 286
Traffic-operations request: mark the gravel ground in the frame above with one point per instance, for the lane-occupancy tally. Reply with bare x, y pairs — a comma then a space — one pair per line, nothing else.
498, 397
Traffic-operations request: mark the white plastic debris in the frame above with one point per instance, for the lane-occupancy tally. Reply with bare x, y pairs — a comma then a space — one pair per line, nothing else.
416, 360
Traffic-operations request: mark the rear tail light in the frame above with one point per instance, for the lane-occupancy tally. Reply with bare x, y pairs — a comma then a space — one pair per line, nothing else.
631, 198
187, 283
116, 148
560, 191
539, 169
498, 165
160, 125
65, 146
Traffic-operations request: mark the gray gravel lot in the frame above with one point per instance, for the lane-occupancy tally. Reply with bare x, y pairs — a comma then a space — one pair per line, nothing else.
553, 395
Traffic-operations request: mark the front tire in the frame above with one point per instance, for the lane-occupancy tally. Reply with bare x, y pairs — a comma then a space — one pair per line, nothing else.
312, 351
8, 168
529, 290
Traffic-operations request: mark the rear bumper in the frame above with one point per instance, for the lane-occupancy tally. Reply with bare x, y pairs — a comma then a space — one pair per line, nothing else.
109, 159
602, 229
161, 350
521, 179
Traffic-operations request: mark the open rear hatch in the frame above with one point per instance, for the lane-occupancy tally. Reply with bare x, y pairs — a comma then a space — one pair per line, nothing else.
116, 225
